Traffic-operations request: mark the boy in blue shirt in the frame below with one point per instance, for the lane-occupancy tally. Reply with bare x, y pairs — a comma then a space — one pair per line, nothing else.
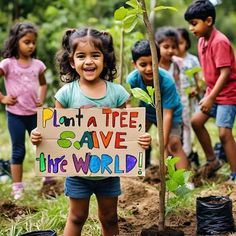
142, 77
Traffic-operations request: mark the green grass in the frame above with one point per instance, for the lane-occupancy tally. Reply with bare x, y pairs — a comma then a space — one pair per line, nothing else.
52, 213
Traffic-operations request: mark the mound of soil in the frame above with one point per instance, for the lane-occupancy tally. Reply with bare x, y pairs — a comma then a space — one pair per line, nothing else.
10, 210
52, 188
141, 198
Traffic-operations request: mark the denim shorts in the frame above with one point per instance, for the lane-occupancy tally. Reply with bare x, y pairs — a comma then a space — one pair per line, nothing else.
177, 130
79, 187
224, 115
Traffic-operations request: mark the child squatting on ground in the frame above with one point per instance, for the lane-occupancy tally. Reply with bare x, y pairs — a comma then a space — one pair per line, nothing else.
88, 66
142, 77
219, 70
26, 88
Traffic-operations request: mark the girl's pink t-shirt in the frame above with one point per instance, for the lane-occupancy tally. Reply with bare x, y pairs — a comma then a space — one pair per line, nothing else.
22, 81
217, 54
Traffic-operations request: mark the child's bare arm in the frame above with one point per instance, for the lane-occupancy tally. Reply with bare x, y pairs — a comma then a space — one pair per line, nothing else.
207, 103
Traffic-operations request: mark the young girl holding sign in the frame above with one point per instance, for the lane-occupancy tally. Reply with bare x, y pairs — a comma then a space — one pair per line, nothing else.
87, 64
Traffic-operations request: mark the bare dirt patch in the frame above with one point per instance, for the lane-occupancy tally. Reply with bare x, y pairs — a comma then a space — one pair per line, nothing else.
10, 210
52, 188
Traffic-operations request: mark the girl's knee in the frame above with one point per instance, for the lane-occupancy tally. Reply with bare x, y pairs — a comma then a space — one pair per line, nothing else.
109, 219
78, 219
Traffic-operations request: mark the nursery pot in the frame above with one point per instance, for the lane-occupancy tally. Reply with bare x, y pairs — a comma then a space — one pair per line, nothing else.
214, 215
49, 232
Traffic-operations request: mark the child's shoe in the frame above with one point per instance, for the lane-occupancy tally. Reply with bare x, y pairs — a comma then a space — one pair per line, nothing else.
210, 168
193, 157
17, 190
232, 179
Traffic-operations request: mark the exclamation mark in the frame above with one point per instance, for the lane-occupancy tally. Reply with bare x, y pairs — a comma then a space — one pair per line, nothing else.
140, 163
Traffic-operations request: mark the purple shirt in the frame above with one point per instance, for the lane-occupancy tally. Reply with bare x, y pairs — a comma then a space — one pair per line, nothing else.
22, 81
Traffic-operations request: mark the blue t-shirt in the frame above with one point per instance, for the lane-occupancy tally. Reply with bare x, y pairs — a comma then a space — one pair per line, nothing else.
71, 96
170, 98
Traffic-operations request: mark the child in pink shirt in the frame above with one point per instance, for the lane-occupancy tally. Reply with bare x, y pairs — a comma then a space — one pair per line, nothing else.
26, 88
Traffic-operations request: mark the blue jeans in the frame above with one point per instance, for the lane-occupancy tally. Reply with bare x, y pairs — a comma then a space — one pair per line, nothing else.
17, 125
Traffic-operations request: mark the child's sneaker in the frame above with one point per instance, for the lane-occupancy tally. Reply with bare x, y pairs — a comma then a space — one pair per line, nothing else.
210, 168
232, 179
193, 157
17, 190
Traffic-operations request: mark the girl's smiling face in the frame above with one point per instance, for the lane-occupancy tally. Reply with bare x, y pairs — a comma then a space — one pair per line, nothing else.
88, 61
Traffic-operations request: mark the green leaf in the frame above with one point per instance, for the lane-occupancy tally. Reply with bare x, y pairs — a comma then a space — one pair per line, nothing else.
178, 176
141, 94
192, 71
188, 90
160, 8
129, 23
151, 91
120, 14
182, 191
187, 175
171, 185
133, 3
170, 163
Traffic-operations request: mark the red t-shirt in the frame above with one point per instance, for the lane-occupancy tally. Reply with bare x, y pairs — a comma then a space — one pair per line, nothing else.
217, 54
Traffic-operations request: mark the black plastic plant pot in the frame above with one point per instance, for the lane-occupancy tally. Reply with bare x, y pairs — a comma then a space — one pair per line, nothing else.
214, 215
49, 232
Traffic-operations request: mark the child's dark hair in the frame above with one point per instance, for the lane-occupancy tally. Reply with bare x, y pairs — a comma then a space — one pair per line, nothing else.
200, 9
142, 48
162, 33
184, 34
101, 40
17, 31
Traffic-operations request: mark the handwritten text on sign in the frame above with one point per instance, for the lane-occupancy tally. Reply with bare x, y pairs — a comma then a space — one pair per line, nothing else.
90, 142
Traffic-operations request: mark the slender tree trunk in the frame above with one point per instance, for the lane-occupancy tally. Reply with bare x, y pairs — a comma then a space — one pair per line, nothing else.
162, 191
15, 10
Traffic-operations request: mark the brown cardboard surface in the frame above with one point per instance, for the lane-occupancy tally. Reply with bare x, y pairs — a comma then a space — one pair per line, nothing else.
90, 142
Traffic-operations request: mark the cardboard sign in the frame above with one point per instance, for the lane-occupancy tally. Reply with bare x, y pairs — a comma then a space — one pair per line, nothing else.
90, 142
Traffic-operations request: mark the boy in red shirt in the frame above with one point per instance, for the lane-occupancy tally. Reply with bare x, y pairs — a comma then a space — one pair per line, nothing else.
219, 70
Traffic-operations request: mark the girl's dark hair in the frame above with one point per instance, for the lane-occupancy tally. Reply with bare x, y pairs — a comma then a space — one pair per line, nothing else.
184, 33
200, 9
16, 33
162, 33
142, 49
101, 40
